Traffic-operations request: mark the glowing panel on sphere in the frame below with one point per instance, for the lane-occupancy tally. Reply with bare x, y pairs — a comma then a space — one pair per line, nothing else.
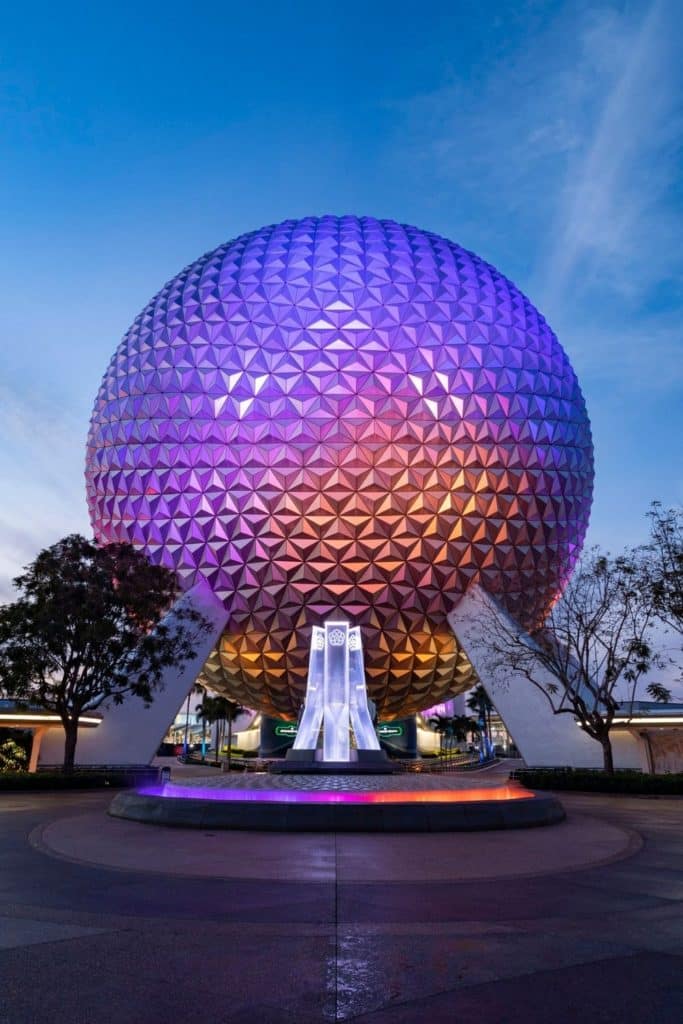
341, 417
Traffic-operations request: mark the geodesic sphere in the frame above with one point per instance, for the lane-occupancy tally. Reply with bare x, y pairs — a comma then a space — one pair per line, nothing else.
341, 416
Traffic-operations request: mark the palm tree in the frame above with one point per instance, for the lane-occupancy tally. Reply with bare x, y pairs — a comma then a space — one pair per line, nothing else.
232, 711
453, 727
201, 688
464, 726
220, 710
197, 688
478, 701
442, 725
210, 712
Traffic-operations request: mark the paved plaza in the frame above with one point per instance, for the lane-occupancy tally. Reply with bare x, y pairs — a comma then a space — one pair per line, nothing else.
105, 920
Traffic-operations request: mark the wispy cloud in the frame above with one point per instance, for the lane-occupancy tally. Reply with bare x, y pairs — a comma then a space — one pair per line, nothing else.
480, 146
560, 165
613, 222
558, 159
41, 469
645, 353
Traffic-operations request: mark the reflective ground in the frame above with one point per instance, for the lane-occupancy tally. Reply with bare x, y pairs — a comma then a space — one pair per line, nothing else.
107, 921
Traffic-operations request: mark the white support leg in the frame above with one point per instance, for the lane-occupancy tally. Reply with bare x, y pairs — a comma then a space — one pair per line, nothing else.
541, 737
130, 733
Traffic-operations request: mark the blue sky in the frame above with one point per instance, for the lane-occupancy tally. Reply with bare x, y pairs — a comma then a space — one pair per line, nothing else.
545, 136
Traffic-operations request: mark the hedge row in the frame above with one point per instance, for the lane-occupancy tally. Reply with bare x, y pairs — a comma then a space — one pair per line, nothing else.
35, 781
596, 781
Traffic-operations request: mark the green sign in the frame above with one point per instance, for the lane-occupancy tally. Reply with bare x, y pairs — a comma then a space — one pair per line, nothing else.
286, 729
387, 729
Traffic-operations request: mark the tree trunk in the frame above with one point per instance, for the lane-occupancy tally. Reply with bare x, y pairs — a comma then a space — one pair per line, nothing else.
70, 739
187, 725
229, 744
607, 758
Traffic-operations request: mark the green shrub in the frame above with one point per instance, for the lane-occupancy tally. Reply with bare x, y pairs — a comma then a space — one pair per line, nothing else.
13, 757
597, 781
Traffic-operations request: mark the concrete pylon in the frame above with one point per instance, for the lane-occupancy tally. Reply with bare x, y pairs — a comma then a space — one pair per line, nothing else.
130, 733
542, 737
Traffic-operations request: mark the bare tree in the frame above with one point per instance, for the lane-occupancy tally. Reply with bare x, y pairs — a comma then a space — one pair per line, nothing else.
664, 564
593, 648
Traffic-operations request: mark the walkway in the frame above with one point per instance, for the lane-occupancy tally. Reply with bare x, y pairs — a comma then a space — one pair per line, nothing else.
497, 927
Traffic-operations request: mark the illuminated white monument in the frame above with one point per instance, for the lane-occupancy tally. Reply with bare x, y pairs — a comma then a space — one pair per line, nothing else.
336, 696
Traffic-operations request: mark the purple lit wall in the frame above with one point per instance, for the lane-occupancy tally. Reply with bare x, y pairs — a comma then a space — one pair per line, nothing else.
340, 416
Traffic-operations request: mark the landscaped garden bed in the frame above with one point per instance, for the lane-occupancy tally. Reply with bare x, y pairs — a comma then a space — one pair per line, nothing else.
589, 780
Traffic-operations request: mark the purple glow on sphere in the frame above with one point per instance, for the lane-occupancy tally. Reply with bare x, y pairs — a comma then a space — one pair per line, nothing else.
341, 416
